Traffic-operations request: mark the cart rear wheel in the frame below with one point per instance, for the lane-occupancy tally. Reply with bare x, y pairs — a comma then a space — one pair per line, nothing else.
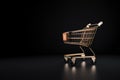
93, 62
73, 61
65, 59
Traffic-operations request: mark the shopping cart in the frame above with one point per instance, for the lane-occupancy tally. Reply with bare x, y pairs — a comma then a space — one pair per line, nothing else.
82, 38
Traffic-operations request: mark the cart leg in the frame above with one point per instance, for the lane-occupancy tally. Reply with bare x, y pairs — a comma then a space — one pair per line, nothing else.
92, 51
83, 55
93, 58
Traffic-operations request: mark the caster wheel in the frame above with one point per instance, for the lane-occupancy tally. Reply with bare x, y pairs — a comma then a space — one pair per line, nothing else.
66, 59
93, 62
73, 61
83, 59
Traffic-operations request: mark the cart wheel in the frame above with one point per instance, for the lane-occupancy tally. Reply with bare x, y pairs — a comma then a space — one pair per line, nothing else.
93, 60
83, 57
93, 63
73, 61
65, 59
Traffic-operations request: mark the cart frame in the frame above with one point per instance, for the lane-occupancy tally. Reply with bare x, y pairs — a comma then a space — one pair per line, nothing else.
83, 38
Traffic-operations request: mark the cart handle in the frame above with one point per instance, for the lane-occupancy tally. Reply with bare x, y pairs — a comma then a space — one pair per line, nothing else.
97, 24
100, 23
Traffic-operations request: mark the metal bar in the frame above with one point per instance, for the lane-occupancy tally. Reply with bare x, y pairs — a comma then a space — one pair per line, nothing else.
75, 54
82, 49
77, 38
92, 51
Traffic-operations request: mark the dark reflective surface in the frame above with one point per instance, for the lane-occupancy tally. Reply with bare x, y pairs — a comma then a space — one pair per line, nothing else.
54, 68
83, 72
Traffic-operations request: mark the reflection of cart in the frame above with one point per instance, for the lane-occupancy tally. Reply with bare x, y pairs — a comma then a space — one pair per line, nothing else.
83, 38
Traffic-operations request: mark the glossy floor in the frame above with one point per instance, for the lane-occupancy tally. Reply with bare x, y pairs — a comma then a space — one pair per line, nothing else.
54, 68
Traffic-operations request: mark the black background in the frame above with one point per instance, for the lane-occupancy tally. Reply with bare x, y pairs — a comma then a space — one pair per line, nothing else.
32, 38
38, 26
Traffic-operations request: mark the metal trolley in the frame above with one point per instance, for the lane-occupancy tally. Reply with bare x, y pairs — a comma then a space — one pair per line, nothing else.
83, 38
